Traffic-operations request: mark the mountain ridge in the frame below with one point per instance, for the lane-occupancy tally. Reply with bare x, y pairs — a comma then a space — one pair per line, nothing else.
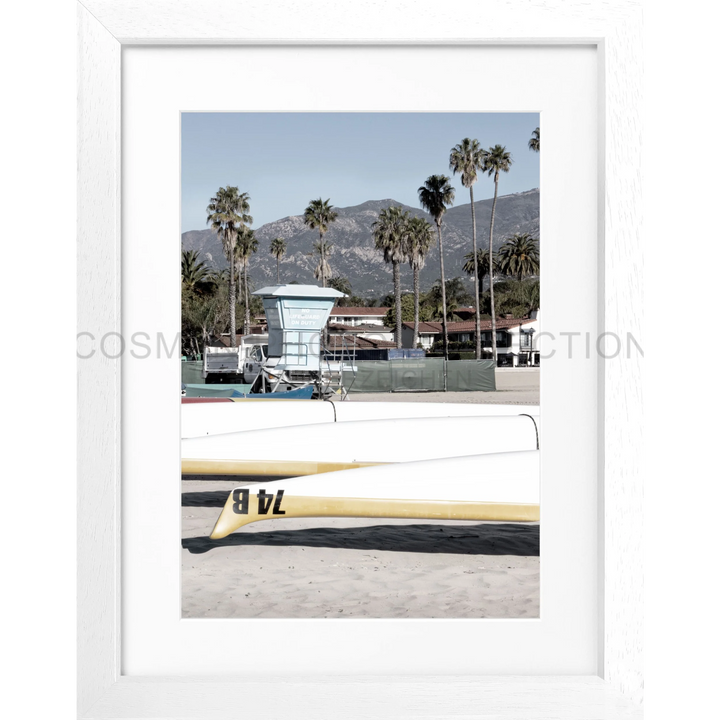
354, 255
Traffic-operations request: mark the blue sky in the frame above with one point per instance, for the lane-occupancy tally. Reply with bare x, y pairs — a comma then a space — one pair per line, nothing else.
284, 160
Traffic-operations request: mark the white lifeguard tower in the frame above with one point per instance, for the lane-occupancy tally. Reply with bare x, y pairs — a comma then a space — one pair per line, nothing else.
296, 316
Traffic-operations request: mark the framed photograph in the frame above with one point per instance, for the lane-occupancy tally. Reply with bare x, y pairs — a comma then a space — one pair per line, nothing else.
144, 77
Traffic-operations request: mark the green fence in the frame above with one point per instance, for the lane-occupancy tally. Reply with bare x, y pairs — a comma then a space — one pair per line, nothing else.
374, 376
192, 372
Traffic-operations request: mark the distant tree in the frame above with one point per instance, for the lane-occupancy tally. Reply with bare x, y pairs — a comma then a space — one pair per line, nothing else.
466, 158
517, 297
519, 256
227, 213
219, 277
278, 248
342, 284
483, 266
534, 141
317, 216
378, 302
390, 234
419, 241
322, 249
496, 160
247, 245
456, 296
407, 309
436, 195
196, 276
202, 317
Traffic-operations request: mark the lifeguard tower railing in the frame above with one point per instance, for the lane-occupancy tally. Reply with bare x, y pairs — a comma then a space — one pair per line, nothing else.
338, 364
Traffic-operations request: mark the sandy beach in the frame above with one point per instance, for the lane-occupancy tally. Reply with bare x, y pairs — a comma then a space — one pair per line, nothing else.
362, 568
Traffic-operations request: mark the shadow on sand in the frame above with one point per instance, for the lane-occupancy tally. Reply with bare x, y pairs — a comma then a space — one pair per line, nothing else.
482, 539
210, 498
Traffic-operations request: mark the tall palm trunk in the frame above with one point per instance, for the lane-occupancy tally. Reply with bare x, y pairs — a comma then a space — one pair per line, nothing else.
478, 342
246, 296
322, 260
416, 292
492, 274
398, 305
233, 323
278, 269
444, 302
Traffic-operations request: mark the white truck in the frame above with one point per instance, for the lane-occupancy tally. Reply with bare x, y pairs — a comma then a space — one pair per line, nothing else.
227, 364
254, 361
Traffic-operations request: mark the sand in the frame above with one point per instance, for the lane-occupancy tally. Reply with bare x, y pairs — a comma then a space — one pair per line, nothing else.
362, 568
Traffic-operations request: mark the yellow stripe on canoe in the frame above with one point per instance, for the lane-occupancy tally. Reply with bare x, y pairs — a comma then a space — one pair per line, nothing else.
244, 506
287, 468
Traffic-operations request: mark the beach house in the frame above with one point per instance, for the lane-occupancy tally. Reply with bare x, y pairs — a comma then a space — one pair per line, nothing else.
515, 337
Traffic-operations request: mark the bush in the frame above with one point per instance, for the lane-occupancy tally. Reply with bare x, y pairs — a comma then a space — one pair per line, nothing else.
439, 346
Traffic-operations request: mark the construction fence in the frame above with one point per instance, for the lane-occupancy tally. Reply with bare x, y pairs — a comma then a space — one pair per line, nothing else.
403, 375
426, 374
191, 372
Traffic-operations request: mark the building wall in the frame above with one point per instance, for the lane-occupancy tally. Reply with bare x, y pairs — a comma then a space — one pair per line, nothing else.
358, 319
426, 340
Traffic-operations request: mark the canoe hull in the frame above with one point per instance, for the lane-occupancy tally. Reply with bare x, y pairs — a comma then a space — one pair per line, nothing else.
317, 507
326, 447
199, 420
500, 487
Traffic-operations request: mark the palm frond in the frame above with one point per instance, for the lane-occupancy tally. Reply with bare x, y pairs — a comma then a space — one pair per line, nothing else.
497, 159
534, 141
436, 195
466, 158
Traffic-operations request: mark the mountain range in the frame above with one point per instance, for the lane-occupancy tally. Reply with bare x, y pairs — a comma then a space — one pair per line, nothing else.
354, 255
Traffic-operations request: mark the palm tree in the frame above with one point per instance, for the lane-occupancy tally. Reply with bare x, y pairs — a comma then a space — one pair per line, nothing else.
194, 271
317, 216
435, 196
518, 298
519, 256
419, 239
390, 231
247, 244
466, 158
219, 277
341, 284
454, 298
278, 248
227, 213
322, 271
483, 268
496, 159
534, 141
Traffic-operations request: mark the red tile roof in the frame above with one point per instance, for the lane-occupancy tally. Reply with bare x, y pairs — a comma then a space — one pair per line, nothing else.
370, 327
469, 325
374, 311
336, 342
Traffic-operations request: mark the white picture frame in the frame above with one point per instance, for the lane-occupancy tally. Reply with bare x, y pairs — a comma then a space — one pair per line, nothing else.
105, 26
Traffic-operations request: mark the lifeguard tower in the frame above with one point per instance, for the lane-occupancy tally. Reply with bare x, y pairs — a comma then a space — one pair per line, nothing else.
296, 316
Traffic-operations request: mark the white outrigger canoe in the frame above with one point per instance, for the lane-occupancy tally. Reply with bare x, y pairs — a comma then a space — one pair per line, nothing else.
329, 447
201, 419
498, 486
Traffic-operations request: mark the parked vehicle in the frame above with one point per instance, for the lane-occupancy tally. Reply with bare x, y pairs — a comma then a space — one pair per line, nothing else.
252, 367
226, 364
